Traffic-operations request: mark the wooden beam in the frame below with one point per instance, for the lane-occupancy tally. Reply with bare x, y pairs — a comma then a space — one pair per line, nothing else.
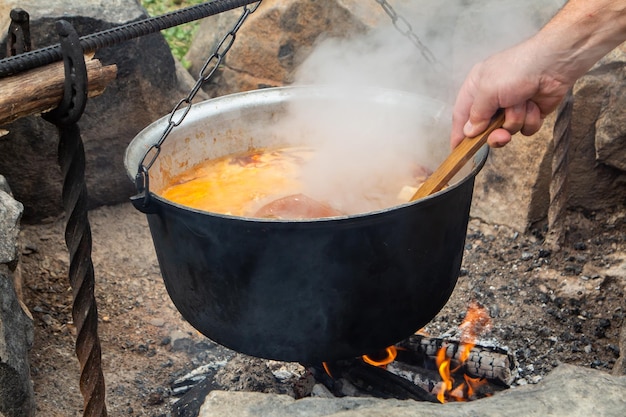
41, 89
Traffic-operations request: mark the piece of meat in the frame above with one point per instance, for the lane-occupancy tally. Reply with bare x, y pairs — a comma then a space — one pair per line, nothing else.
296, 206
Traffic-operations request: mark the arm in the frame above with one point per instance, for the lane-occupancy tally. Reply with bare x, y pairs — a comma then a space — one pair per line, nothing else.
530, 79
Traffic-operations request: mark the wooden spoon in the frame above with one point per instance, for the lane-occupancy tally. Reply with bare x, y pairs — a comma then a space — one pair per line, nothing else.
457, 158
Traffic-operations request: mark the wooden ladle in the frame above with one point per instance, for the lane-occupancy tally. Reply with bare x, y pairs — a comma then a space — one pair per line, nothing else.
457, 159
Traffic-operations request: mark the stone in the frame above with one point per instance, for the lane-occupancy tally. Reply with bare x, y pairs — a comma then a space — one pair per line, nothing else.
16, 327
10, 214
619, 369
4, 185
149, 83
568, 391
610, 125
504, 196
16, 338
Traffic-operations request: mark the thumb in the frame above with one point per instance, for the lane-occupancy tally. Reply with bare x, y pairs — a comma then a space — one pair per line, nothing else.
475, 126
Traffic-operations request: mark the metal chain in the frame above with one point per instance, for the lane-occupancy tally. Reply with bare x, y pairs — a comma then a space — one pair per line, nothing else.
404, 27
208, 69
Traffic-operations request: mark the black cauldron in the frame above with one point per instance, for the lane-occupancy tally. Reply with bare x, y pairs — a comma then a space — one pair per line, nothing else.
306, 290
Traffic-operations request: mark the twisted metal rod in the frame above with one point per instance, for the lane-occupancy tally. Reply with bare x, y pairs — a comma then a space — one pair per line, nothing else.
71, 157
81, 270
116, 35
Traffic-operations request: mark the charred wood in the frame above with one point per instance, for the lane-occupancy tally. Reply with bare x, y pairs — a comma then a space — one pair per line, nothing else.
495, 364
369, 380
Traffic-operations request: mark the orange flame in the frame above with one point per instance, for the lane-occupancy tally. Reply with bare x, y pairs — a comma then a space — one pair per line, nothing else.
390, 354
475, 323
327, 369
443, 364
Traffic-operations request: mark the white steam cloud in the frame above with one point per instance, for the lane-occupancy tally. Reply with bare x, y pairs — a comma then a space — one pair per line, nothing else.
362, 150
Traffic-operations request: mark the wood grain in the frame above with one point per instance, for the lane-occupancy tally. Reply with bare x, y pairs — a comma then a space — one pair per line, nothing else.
41, 89
456, 160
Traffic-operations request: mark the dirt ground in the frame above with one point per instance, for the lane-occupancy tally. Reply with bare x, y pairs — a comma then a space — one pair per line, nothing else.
546, 307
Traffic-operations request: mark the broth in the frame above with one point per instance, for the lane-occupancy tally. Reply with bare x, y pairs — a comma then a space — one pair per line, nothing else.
268, 183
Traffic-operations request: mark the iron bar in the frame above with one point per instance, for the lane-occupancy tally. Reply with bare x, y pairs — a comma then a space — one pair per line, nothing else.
81, 275
110, 37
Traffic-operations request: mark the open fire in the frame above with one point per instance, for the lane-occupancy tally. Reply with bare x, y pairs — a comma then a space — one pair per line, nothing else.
476, 322
439, 370
421, 368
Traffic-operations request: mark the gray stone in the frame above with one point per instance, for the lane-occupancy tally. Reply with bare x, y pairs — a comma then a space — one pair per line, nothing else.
4, 185
620, 365
10, 214
149, 83
611, 124
16, 327
568, 391
16, 338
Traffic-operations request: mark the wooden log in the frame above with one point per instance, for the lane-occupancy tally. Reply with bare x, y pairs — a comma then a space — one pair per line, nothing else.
492, 363
41, 89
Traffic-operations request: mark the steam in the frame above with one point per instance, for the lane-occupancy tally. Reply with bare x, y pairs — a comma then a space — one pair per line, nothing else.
363, 150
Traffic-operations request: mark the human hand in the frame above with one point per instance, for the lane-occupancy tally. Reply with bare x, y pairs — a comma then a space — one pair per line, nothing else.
521, 80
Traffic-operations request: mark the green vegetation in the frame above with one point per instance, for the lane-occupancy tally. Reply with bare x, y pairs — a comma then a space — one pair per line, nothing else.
178, 37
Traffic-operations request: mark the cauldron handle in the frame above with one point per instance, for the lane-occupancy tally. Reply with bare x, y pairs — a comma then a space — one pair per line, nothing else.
143, 200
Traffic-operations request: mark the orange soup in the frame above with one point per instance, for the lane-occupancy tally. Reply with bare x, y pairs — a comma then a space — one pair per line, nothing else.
260, 183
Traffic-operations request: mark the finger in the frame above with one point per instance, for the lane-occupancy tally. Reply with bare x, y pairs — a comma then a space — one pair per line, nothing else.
484, 107
514, 117
533, 121
498, 138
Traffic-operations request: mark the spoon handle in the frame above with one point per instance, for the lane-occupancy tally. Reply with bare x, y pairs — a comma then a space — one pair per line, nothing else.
457, 158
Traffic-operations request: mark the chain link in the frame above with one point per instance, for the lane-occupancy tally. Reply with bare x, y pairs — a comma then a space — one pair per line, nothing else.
208, 69
404, 27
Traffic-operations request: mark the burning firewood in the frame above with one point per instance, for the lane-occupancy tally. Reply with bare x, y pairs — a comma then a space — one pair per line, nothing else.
492, 363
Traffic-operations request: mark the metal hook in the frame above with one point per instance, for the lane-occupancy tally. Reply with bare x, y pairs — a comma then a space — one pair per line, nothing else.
74, 99
19, 33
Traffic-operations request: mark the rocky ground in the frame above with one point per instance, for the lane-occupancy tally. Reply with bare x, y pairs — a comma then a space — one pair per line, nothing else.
546, 306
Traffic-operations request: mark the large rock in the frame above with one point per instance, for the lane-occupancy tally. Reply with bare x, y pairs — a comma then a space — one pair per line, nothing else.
16, 327
148, 85
568, 391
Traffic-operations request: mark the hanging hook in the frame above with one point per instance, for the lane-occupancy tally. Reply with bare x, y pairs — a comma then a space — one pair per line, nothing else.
19, 33
74, 99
